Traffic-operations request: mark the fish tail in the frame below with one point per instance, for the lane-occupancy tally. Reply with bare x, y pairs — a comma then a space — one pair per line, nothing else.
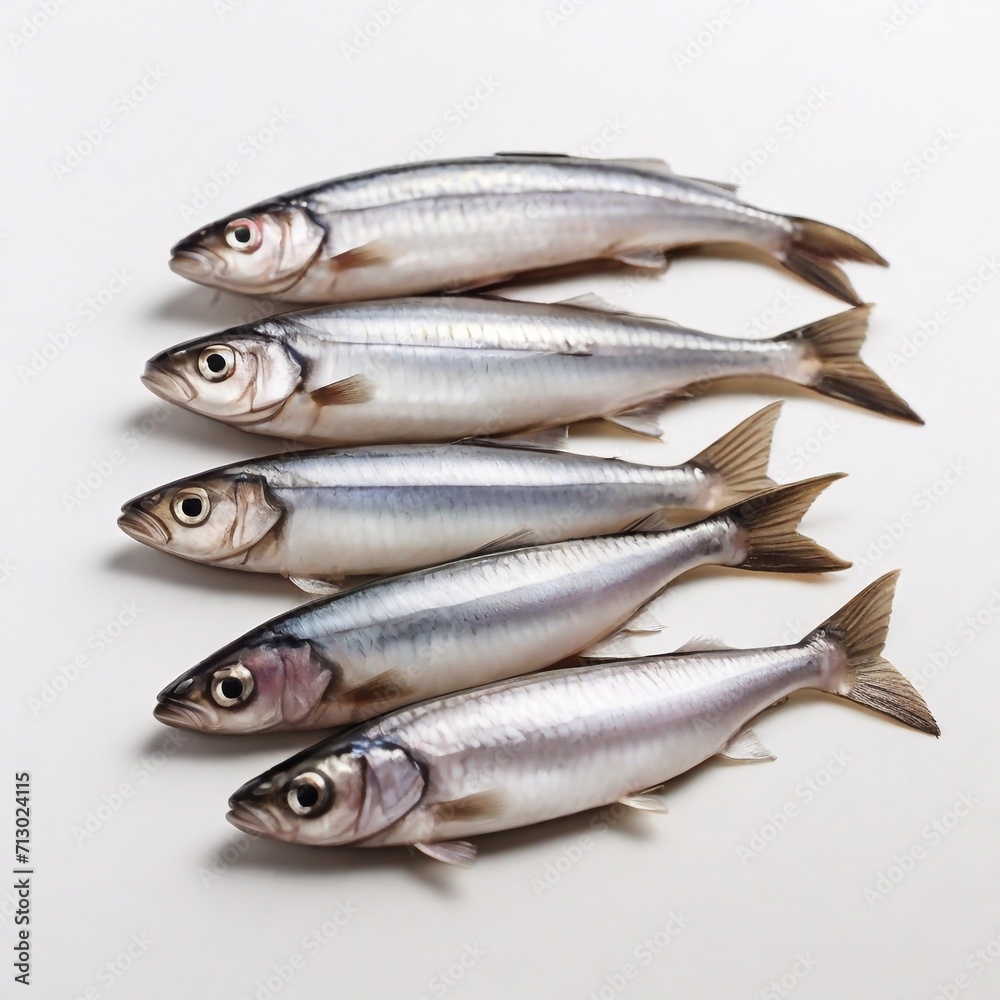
858, 632
814, 247
736, 464
834, 369
769, 521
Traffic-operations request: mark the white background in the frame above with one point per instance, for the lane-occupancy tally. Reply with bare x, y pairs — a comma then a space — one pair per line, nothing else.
145, 870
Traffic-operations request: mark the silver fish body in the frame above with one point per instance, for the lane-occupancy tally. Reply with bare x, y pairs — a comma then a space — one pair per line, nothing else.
461, 224
533, 748
399, 640
320, 516
442, 369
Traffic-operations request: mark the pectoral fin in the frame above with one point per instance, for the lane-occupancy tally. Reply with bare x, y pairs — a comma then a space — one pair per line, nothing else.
384, 687
455, 852
477, 806
354, 389
745, 746
375, 252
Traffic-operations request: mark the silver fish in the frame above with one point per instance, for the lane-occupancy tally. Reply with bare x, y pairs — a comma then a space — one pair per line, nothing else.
441, 369
321, 516
394, 642
462, 224
533, 748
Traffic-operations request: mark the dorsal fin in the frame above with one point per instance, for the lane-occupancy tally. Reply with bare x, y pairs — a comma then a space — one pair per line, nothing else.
594, 302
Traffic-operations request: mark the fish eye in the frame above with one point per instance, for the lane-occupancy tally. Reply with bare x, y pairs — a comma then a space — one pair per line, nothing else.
217, 363
310, 794
231, 685
191, 506
244, 235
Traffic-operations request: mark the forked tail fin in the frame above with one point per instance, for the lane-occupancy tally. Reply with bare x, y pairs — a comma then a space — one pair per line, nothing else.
737, 463
769, 521
859, 630
832, 346
812, 250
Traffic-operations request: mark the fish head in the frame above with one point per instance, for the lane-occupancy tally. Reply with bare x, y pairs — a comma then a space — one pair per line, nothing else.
264, 251
240, 376
333, 793
209, 519
265, 684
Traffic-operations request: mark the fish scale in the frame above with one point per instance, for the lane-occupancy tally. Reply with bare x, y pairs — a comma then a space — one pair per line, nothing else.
442, 369
528, 749
397, 640
453, 224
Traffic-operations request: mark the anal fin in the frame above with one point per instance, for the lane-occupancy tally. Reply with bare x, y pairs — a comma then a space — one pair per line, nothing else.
321, 586
644, 801
650, 260
614, 647
745, 746
643, 420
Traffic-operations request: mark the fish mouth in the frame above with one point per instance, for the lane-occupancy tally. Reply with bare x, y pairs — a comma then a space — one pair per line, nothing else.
190, 263
182, 715
255, 819
165, 384
143, 528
